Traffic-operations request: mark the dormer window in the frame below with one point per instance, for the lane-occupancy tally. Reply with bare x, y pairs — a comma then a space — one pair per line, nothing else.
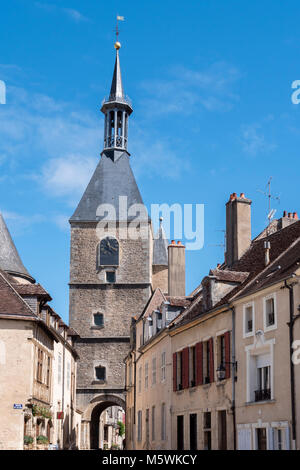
248, 319
98, 319
270, 320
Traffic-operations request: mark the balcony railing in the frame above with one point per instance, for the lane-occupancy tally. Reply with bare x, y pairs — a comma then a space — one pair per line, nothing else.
263, 394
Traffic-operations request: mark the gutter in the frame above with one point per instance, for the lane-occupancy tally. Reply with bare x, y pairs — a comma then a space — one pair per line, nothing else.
233, 376
290, 324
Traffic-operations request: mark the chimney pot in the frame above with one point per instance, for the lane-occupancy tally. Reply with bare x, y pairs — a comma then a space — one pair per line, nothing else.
234, 195
295, 215
242, 195
284, 213
290, 215
218, 265
173, 242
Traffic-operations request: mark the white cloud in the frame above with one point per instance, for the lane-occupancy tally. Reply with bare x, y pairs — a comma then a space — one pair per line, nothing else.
254, 141
186, 89
74, 15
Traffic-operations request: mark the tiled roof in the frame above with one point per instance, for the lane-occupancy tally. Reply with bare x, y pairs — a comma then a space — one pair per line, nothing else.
153, 303
179, 301
10, 301
31, 289
229, 276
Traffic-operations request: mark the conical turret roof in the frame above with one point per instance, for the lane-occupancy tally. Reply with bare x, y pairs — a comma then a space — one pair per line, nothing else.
10, 260
160, 248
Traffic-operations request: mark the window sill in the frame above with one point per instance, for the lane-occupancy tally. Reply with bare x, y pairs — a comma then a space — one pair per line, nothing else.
99, 382
94, 327
262, 402
179, 392
192, 389
205, 386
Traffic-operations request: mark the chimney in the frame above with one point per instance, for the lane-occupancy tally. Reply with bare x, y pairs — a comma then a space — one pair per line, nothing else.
267, 247
238, 227
176, 269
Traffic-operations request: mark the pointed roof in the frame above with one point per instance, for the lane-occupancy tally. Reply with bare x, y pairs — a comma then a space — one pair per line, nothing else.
11, 303
10, 260
160, 248
116, 90
111, 179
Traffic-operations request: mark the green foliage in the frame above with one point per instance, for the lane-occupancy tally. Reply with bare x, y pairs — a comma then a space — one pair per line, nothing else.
115, 447
41, 411
121, 428
42, 440
28, 440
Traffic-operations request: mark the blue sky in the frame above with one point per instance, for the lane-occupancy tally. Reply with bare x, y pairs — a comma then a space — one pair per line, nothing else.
210, 83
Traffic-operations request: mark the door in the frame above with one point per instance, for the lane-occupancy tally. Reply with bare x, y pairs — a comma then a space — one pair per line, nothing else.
222, 430
193, 432
261, 436
180, 433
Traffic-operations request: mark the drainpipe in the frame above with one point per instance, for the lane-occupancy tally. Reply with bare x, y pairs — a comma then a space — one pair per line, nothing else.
134, 402
233, 369
290, 287
63, 393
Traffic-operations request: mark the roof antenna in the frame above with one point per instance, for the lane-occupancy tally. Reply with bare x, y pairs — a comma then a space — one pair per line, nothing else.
269, 196
223, 245
270, 216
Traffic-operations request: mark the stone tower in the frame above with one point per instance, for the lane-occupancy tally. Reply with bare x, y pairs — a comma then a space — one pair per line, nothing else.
110, 272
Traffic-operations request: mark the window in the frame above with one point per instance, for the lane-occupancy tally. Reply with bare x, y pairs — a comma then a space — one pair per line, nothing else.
39, 373
163, 422
192, 365
110, 277
269, 313
207, 430
221, 350
48, 371
248, 319
139, 433
100, 373
206, 362
261, 438
179, 371
146, 375
140, 379
68, 375
180, 432
150, 327
263, 391
59, 368
153, 423
147, 425
98, 319
163, 366
154, 371
130, 374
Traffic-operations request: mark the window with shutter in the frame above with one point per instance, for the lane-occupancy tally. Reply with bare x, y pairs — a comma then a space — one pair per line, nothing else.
211, 360
227, 354
199, 363
174, 372
185, 369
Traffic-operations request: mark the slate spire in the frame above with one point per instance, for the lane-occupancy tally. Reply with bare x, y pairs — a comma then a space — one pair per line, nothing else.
10, 260
116, 90
113, 177
160, 247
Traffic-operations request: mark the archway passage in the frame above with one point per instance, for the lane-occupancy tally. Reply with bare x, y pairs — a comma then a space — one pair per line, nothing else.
95, 418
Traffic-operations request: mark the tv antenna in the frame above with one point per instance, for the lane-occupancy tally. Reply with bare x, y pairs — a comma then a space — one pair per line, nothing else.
223, 245
267, 193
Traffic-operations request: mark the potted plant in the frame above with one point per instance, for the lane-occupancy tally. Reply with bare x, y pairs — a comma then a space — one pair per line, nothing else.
42, 442
28, 442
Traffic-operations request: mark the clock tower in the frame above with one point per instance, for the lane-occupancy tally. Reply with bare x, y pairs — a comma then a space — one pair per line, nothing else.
110, 273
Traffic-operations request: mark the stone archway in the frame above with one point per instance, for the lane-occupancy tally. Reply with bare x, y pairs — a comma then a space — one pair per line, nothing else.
93, 412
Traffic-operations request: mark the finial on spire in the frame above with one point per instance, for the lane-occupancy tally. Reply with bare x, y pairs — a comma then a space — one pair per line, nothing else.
117, 44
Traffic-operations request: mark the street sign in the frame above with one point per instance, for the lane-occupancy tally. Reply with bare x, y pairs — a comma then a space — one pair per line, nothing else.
60, 415
18, 406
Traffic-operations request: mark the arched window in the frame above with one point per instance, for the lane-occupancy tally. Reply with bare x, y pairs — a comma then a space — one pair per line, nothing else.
108, 252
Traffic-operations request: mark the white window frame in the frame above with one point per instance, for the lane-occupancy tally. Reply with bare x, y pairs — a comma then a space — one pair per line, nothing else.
271, 327
250, 333
251, 353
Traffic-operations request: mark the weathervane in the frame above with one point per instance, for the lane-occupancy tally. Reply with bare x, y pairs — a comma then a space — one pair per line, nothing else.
117, 43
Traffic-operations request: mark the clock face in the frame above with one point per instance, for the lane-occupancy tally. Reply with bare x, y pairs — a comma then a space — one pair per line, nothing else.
109, 252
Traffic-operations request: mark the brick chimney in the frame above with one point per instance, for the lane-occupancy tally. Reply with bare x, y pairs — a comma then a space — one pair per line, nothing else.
176, 269
238, 227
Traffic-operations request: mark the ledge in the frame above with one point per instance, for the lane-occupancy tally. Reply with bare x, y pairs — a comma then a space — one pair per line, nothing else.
262, 402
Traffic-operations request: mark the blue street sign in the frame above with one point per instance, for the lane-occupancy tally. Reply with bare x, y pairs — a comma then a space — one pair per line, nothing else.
18, 406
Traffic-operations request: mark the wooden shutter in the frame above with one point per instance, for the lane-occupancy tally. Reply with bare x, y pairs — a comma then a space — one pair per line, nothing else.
174, 372
211, 360
227, 355
199, 363
185, 365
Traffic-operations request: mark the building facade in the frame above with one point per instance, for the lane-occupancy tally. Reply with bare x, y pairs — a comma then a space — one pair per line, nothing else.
37, 362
